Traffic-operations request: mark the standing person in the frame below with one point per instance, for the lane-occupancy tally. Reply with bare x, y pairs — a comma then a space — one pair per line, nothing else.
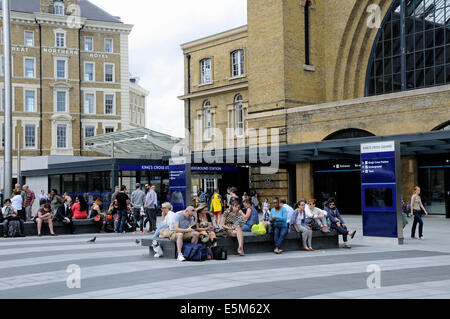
266, 210
232, 221
298, 224
316, 216
251, 215
337, 222
244, 196
42, 195
228, 198
64, 214
55, 200
17, 204
122, 208
116, 191
22, 213
29, 200
216, 207
278, 217
234, 196
80, 208
289, 210
151, 202
416, 206
255, 201
138, 200
181, 230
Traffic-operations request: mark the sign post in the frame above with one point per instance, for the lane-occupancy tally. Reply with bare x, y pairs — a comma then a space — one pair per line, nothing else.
179, 184
380, 190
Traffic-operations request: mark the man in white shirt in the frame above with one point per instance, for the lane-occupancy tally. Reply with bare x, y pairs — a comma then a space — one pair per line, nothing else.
288, 208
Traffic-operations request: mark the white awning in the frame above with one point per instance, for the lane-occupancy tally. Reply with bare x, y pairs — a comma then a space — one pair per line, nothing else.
134, 143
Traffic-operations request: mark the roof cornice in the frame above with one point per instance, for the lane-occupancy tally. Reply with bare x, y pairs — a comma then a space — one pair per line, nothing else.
214, 37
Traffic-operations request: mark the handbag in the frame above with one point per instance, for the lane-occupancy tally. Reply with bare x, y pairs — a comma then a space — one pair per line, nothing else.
195, 252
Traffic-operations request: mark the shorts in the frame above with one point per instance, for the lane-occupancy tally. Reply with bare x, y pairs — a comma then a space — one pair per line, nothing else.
217, 213
186, 236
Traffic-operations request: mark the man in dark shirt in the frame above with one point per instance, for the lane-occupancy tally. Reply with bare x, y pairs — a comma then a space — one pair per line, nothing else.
122, 198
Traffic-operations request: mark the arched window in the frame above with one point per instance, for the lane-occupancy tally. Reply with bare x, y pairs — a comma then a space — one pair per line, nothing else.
237, 63
348, 133
414, 56
207, 119
239, 115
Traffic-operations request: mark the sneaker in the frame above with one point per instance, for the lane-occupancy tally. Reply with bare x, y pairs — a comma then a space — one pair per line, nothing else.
156, 255
181, 257
240, 252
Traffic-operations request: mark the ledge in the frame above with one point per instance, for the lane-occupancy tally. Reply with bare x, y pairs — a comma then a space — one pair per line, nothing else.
309, 68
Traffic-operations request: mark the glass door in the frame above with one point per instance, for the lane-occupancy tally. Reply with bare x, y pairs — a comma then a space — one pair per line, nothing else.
434, 192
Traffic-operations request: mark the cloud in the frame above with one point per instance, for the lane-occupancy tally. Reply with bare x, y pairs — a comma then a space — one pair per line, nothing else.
160, 27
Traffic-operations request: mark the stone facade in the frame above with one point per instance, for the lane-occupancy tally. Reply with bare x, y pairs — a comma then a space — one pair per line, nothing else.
44, 84
308, 102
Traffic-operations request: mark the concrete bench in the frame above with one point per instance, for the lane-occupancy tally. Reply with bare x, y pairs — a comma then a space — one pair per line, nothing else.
81, 226
256, 243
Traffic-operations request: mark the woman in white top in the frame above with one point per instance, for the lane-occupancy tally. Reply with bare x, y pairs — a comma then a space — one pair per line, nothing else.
166, 219
17, 202
416, 211
316, 216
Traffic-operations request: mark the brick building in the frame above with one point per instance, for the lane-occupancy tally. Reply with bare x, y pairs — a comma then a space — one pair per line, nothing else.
322, 71
70, 77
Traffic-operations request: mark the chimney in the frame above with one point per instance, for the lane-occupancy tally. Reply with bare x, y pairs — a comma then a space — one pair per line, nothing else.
47, 6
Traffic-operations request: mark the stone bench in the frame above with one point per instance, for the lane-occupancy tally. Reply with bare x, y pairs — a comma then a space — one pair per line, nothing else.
81, 226
256, 243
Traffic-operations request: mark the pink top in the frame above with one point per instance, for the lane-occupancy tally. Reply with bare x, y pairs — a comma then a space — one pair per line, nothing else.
77, 214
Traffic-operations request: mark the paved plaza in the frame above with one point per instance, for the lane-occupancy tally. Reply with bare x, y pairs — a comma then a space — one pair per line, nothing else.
117, 267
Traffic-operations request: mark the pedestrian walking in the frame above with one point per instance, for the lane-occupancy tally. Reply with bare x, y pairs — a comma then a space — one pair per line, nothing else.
138, 201
151, 202
122, 199
216, 207
416, 210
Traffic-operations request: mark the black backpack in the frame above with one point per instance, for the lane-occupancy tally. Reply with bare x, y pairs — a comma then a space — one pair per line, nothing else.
219, 253
14, 228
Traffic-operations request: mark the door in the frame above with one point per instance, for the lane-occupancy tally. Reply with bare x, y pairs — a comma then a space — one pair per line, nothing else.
434, 189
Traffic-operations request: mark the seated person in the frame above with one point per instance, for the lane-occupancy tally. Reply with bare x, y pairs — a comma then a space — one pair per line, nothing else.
80, 208
181, 230
44, 215
337, 222
316, 216
251, 215
232, 221
64, 214
298, 224
166, 218
278, 218
97, 215
9, 214
205, 227
114, 211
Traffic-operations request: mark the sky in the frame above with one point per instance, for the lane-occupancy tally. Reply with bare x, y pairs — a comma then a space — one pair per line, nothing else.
160, 27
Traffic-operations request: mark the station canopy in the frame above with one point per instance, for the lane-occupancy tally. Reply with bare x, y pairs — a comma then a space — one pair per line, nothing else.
135, 143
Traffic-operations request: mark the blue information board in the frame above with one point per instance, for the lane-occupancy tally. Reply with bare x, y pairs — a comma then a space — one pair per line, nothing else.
177, 186
379, 189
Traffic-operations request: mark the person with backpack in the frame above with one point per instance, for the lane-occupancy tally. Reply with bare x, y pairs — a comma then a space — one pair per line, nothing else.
216, 206
10, 215
416, 211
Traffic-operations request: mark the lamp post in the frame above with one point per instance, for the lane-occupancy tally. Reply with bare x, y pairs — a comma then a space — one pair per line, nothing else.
8, 110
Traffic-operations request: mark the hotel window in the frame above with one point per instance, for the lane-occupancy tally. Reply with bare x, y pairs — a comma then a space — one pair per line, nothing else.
29, 38
239, 113
60, 39
30, 135
29, 68
61, 136
205, 66
109, 130
207, 119
109, 104
88, 44
58, 7
109, 45
237, 63
60, 69
89, 72
61, 101
30, 101
89, 100
109, 72
89, 131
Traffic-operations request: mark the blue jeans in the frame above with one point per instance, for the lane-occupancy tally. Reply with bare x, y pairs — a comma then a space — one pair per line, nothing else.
417, 220
278, 235
5, 226
246, 228
122, 220
160, 227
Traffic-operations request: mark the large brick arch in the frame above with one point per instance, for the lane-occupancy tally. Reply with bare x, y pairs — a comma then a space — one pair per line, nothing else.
441, 126
354, 51
347, 133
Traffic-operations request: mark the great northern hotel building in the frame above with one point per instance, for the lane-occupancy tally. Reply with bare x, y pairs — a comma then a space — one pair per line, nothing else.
329, 75
70, 77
